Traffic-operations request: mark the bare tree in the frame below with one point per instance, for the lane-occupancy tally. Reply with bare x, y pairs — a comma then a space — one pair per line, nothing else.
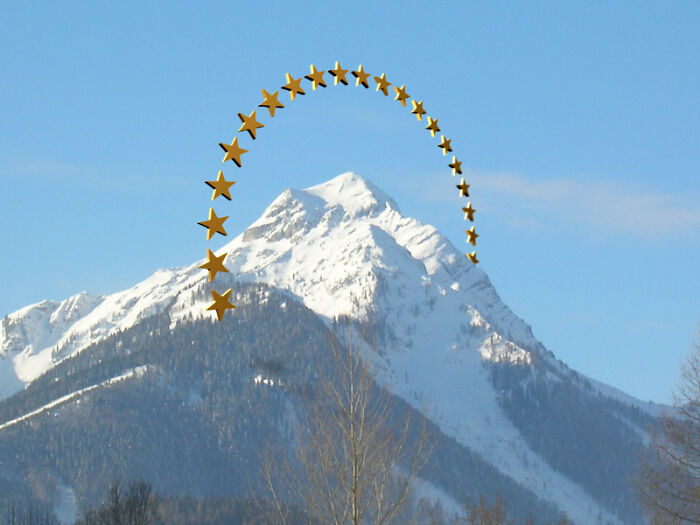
28, 512
140, 506
485, 514
356, 464
669, 483
125, 505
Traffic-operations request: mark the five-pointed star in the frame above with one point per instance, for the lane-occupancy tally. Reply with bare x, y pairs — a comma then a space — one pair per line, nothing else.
220, 186
456, 166
250, 124
432, 126
471, 236
214, 224
293, 85
382, 84
339, 74
214, 264
270, 102
418, 110
469, 212
472, 257
221, 303
445, 145
361, 77
464, 188
316, 78
233, 152
401, 94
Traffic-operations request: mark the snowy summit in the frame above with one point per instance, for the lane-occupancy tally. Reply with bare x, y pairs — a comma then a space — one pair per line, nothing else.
343, 247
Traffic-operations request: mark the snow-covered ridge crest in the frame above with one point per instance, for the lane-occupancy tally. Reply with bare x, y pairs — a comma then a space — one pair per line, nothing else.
332, 245
37, 337
328, 244
354, 194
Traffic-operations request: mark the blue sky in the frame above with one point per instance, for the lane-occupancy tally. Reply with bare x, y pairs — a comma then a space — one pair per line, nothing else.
578, 124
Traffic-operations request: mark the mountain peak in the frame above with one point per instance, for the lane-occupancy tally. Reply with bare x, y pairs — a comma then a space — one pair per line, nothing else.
353, 193
294, 213
445, 339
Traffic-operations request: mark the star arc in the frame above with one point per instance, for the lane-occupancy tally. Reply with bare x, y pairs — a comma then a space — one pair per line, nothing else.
250, 124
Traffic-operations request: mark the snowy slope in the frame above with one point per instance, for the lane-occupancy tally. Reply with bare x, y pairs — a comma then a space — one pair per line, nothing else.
136, 372
343, 247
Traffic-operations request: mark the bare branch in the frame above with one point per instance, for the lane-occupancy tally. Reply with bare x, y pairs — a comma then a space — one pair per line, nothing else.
355, 466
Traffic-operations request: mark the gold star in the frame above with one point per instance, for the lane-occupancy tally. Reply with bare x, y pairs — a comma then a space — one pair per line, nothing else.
472, 257
270, 102
464, 188
456, 166
316, 78
445, 145
250, 124
214, 224
221, 303
469, 212
233, 152
361, 77
220, 185
401, 95
339, 74
418, 109
214, 264
432, 126
293, 85
382, 84
472, 235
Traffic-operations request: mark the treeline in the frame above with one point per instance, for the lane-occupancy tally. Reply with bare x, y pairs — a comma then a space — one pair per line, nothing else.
484, 512
564, 419
197, 421
27, 512
135, 503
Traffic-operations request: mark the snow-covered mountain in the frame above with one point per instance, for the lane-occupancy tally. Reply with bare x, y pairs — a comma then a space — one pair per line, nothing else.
344, 248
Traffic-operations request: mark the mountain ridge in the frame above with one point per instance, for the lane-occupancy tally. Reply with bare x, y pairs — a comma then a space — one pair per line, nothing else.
37, 336
343, 248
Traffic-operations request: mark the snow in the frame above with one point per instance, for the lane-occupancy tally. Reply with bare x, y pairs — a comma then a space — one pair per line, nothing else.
353, 193
134, 372
66, 509
434, 494
649, 407
9, 382
324, 244
260, 380
446, 378
344, 248
37, 337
